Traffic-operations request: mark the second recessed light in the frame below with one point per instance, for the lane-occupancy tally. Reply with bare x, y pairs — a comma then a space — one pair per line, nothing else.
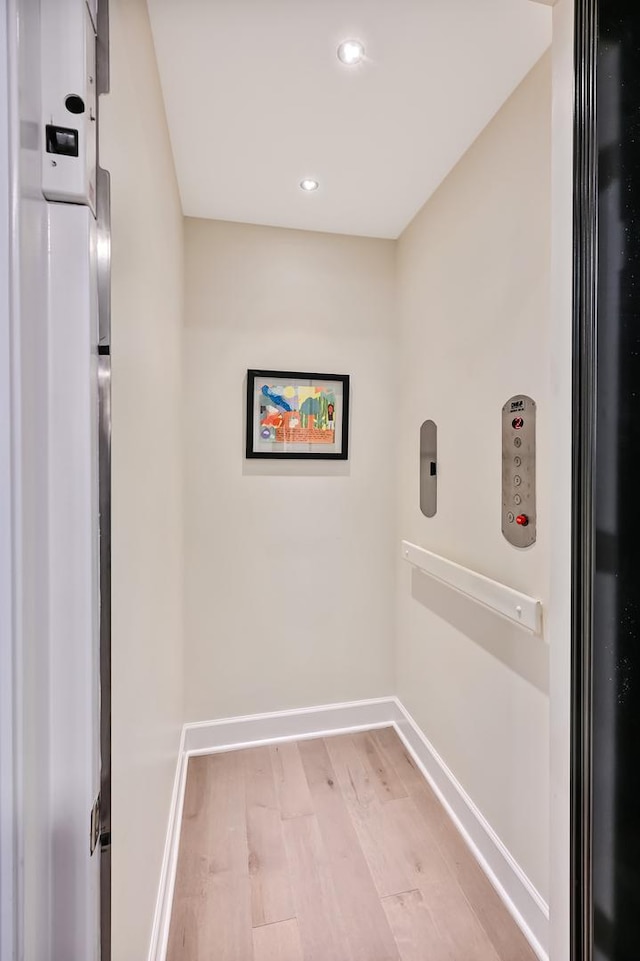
308, 184
351, 52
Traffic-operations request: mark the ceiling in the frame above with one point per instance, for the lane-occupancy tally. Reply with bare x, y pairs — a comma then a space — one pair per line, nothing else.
257, 100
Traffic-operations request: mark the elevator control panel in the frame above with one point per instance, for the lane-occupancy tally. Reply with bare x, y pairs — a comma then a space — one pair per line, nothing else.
519, 471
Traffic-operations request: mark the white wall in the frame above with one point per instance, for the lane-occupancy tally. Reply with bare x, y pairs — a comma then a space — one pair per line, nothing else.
147, 295
473, 280
288, 565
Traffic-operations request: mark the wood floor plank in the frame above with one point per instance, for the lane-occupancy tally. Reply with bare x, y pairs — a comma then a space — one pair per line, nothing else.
414, 781
291, 783
401, 855
415, 931
212, 909
320, 921
278, 942
271, 898
458, 925
368, 932
404, 856
386, 781
503, 932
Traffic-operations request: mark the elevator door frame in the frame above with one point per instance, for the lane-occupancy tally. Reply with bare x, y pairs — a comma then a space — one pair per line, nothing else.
584, 410
9, 831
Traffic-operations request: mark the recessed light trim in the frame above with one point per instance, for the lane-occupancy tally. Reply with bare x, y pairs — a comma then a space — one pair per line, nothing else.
351, 52
308, 184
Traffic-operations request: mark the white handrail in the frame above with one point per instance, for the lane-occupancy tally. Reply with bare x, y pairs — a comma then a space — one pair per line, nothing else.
520, 608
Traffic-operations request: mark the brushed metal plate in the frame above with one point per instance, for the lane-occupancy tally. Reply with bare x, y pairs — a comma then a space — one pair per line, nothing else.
519, 470
428, 468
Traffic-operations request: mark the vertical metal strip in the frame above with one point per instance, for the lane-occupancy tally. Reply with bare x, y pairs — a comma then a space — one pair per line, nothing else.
103, 208
104, 480
583, 515
102, 50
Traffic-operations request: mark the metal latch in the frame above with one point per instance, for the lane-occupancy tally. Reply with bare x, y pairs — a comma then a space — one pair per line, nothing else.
94, 829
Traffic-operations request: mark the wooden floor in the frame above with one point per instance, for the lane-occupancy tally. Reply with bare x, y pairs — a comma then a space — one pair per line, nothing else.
333, 849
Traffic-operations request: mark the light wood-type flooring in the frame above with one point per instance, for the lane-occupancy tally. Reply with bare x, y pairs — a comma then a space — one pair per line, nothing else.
332, 849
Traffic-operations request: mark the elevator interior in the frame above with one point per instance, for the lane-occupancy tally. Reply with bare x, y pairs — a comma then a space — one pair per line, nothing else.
378, 193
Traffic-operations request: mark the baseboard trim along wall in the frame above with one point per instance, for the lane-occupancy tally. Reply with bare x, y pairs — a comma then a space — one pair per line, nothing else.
162, 915
519, 895
523, 901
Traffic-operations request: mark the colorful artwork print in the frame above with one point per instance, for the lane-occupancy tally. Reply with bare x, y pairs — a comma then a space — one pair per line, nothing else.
293, 414
298, 415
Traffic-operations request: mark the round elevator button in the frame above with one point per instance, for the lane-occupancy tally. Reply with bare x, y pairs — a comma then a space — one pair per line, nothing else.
517, 480
517, 461
522, 520
517, 441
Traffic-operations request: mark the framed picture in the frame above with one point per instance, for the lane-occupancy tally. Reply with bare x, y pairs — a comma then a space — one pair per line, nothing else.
297, 415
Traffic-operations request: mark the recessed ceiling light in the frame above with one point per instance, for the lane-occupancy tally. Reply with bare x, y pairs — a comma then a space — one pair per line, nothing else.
351, 52
308, 184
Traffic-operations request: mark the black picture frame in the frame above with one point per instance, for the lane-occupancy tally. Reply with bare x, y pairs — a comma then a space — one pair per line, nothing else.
321, 454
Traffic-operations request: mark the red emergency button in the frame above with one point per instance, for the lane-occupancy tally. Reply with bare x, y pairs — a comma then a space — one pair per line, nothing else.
522, 520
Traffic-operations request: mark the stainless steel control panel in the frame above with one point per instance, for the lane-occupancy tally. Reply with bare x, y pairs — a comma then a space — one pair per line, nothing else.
519, 471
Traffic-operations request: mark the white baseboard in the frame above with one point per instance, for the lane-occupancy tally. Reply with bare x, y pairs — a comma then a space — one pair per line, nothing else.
162, 916
233, 733
525, 904
522, 900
